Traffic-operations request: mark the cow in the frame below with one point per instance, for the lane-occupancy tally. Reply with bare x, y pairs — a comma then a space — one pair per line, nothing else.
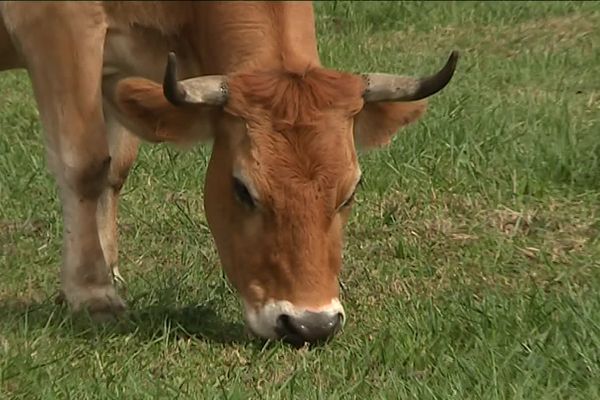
243, 76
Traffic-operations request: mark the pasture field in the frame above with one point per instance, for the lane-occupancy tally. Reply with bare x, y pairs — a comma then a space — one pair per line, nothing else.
472, 263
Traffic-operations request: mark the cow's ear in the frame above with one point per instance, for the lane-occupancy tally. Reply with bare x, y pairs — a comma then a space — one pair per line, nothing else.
377, 123
154, 119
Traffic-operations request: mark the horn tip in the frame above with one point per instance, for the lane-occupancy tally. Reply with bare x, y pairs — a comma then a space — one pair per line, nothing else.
171, 89
453, 59
171, 61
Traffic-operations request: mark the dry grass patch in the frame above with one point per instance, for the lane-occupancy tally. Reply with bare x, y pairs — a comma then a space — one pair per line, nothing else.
450, 235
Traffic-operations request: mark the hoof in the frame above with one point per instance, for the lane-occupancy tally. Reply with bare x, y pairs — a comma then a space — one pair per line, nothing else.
102, 304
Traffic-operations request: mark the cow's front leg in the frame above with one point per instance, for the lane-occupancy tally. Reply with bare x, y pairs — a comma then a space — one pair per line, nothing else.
65, 66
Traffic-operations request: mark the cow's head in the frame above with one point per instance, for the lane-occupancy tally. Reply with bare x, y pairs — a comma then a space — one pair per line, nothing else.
282, 174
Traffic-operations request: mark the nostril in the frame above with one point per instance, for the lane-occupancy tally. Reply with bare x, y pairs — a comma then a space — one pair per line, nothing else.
289, 331
284, 324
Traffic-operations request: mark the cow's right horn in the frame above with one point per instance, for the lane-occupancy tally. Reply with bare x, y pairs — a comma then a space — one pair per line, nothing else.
208, 89
388, 87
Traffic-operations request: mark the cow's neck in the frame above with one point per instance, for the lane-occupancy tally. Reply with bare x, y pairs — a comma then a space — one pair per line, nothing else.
234, 36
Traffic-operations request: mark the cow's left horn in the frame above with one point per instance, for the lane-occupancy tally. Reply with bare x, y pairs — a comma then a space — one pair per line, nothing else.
387, 87
208, 89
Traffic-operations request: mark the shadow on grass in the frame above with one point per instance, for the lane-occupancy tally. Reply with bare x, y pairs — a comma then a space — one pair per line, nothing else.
149, 323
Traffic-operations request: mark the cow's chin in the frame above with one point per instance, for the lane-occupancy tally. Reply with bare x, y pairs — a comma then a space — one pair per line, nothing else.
266, 322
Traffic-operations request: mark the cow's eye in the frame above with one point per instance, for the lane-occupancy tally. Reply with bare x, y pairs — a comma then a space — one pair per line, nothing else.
242, 193
349, 200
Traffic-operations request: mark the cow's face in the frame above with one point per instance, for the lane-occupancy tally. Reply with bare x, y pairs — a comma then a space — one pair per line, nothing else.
280, 182
279, 190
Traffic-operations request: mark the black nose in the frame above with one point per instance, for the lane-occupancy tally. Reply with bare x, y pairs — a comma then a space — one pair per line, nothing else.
309, 327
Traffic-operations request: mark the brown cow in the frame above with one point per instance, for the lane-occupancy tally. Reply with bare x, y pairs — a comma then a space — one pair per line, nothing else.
283, 170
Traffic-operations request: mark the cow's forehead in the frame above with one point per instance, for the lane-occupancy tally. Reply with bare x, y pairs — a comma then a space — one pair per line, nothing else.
324, 149
291, 101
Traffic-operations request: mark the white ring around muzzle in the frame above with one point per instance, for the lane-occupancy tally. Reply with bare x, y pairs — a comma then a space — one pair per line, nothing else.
263, 322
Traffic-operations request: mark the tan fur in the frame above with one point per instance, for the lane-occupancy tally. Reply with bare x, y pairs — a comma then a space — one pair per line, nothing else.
158, 119
168, 17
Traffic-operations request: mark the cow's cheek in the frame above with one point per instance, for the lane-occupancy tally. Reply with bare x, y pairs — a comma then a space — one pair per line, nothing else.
219, 207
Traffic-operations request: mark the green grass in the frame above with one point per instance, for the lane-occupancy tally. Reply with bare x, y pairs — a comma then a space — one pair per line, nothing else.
472, 257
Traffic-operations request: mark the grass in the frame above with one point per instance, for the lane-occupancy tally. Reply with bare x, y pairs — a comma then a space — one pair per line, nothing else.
472, 256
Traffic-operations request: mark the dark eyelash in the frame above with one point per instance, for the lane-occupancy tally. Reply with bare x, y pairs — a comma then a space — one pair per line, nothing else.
353, 195
349, 200
242, 193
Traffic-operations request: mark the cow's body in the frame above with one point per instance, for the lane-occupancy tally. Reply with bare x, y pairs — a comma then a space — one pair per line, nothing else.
77, 53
